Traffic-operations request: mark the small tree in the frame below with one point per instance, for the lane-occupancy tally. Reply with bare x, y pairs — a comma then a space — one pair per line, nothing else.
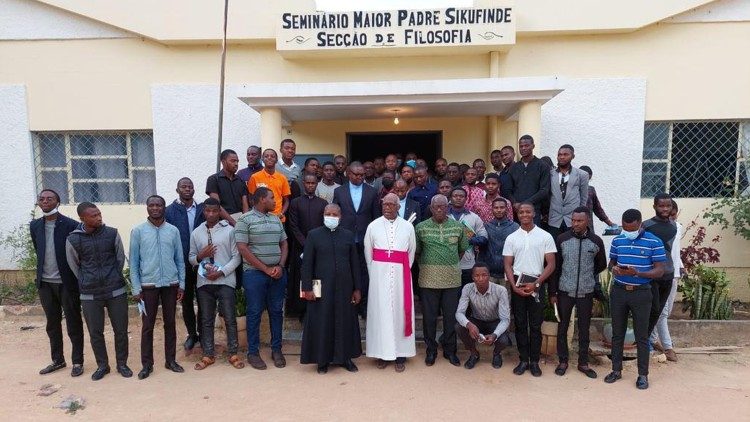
732, 209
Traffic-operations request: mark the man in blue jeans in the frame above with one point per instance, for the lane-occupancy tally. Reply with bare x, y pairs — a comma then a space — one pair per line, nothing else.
261, 240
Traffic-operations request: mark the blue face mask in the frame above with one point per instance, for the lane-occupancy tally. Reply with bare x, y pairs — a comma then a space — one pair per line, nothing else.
631, 235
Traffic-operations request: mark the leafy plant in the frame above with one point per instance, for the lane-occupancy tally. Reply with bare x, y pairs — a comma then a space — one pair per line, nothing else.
239, 303
705, 293
732, 209
606, 282
22, 249
696, 253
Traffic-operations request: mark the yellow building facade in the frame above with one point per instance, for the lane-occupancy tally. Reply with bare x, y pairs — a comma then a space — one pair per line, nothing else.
136, 83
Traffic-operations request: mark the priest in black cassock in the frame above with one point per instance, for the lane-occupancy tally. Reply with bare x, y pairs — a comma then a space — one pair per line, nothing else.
304, 214
331, 334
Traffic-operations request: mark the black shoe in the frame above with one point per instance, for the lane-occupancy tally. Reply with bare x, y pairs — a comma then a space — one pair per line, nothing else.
588, 371
535, 369
174, 366
350, 366
642, 382
54, 366
124, 370
452, 358
521, 368
612, 377
100, 373
471, 361
145, 372
497, 361
323, 369
562, 367
429, 360
191, 342
77, 370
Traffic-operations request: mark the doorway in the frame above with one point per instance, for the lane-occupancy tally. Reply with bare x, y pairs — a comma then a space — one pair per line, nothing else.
366, 146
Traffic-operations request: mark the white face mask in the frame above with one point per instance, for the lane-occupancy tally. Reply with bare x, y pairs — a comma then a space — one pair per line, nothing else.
631, 235
331, 222
52, 212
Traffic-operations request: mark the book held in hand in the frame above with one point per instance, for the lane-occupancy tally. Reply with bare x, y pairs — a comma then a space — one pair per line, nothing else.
317, 289
524, 279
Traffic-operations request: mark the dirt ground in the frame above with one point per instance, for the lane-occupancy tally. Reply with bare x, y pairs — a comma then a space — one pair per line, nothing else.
698, 387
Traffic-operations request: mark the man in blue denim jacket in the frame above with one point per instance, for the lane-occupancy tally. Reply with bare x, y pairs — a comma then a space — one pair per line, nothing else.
497, 231
157, 272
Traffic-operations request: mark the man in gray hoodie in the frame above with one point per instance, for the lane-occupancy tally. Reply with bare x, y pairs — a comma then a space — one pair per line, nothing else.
95, 255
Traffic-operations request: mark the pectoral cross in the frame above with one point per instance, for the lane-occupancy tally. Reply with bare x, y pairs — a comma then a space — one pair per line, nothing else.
389, 253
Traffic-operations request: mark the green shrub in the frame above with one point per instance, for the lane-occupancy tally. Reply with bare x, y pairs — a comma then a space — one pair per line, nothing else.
705, 293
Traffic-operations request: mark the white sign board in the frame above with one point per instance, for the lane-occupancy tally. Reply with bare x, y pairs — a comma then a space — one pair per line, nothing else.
396, 29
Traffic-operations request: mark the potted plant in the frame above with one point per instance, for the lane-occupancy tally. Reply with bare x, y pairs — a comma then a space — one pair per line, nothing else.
549, 329
239, 310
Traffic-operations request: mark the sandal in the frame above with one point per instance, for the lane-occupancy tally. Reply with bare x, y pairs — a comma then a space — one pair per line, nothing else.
382, 363
400, 367
236, 361
205, 362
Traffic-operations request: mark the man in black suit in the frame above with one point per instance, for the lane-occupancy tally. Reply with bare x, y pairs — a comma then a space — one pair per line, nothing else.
360, 204
58, 286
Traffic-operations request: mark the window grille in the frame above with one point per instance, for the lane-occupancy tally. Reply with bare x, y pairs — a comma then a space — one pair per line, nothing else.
101, 167
695, 159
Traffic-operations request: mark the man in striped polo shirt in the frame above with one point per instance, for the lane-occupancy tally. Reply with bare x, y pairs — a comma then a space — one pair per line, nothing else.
636, 258
261, 240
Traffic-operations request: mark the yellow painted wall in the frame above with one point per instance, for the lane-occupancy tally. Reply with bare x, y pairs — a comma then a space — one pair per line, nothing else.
734, 251
464, 138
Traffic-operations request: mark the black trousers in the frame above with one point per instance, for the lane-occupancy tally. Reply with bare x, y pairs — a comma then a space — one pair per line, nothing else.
167, 296
208, 296
465, 278
445, 301
117, 309
660, 290
192, 324
637, 302
486, 328
365, 280
565, 306
528, 315
557, 231
57, 300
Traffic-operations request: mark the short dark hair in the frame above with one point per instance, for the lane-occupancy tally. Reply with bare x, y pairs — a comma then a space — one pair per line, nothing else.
526, 203
495, 151
454, 164
287, 140
226, 153
163, 202
581, 209
473, 163
328, 163
305, 176
260, 193
211, 202
588, 170
183, 178
480, 264
388, 183
631, 216
508, 147
568, 146
457, 188
272, 150
83, 206
526, 137
311, 159
674, 205
339, 156
492, 176
661, 196
57, 195
420, 168
499, 199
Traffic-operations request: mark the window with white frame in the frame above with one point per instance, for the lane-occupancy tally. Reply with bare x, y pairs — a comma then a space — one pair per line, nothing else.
102, 167
696, 159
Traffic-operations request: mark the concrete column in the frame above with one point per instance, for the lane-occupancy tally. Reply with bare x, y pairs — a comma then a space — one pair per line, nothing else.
270, 128
530, 121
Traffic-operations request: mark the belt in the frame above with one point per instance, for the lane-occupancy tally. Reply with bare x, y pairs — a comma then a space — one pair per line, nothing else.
632, 287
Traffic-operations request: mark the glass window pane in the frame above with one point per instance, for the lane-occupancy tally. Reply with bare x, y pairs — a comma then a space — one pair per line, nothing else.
57, 181
100, 168
654, 179
655, 141
51, 149
704, 159
97, 144
142, 144
101, 192
144, 185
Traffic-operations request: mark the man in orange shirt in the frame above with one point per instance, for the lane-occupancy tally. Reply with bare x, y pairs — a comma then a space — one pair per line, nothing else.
273, 180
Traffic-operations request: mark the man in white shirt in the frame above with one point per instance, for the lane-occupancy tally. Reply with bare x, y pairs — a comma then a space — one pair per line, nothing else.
529, 255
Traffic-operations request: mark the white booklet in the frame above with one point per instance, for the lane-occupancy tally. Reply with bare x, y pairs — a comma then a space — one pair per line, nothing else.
317, 289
